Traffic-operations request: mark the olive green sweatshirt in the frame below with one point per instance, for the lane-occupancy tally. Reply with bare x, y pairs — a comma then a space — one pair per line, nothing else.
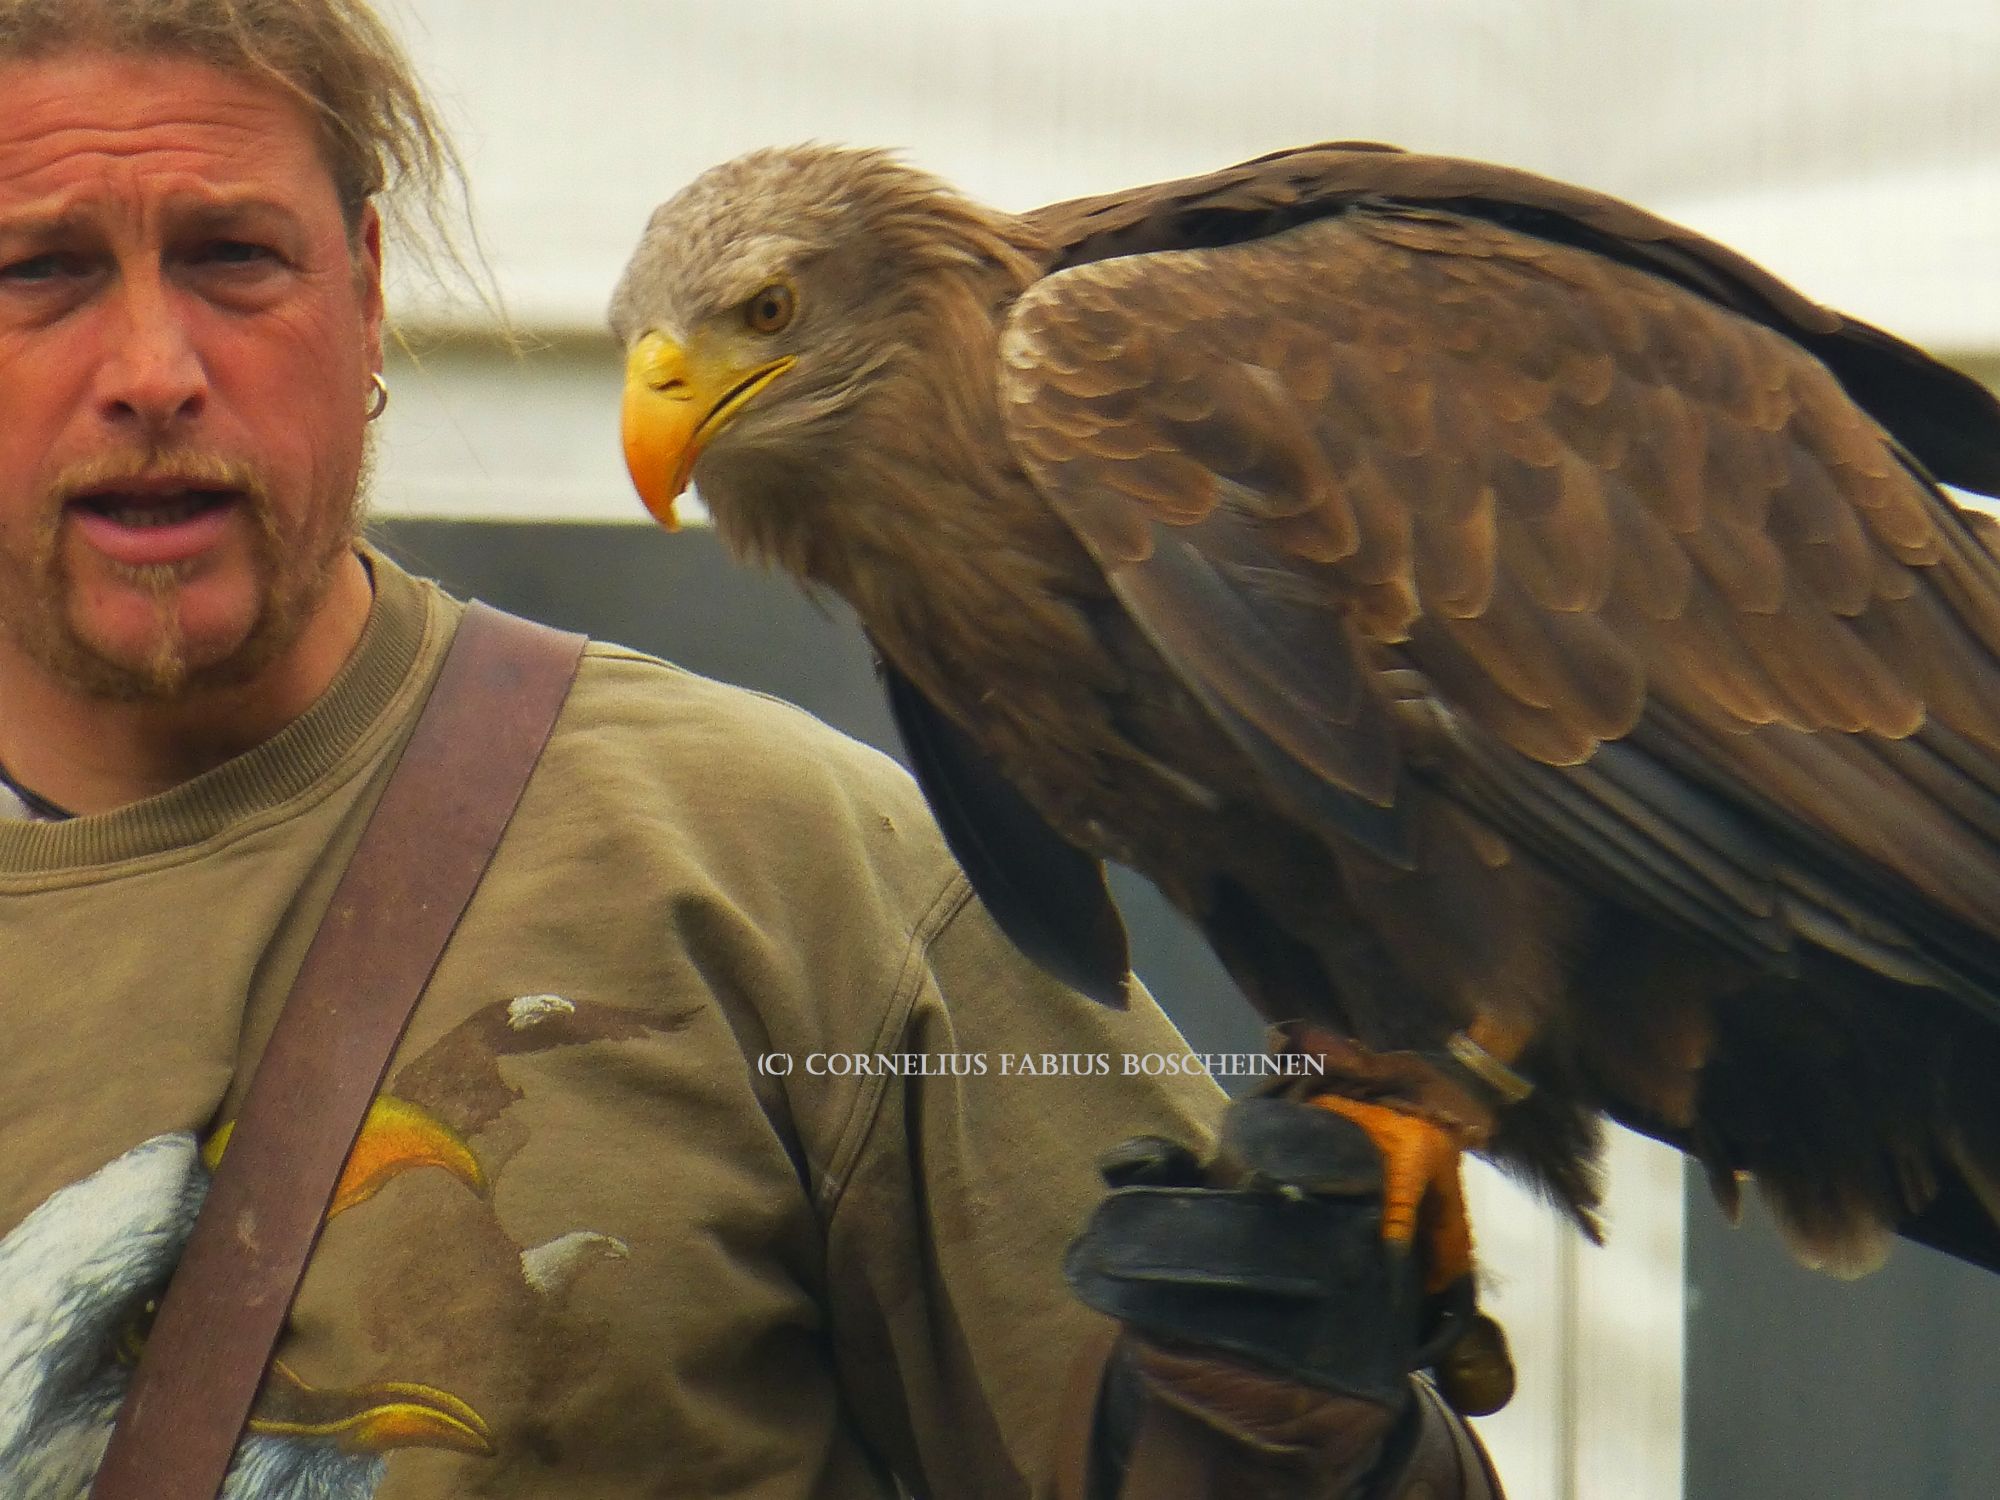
731, 1152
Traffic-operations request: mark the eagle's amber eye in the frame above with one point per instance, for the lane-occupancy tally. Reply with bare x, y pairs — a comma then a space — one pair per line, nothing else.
771, 309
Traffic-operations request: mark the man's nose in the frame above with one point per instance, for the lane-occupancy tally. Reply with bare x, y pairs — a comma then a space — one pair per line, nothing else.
153, 378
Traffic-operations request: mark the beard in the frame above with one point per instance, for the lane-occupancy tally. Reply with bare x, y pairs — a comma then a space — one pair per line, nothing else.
293, 565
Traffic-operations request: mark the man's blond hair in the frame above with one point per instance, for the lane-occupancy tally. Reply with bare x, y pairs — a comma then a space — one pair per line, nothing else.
377, 130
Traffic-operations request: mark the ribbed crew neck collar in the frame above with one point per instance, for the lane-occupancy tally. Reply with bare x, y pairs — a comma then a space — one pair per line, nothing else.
404, 628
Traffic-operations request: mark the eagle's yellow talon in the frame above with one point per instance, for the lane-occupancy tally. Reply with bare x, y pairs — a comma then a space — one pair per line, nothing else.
1422, 1189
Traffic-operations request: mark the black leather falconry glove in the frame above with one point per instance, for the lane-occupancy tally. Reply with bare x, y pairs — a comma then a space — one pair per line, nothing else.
1272, 1339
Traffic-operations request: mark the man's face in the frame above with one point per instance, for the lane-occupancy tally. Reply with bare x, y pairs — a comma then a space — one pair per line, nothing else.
186, 335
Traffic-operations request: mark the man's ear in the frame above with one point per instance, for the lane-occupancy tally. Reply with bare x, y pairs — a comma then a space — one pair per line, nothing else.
367, 249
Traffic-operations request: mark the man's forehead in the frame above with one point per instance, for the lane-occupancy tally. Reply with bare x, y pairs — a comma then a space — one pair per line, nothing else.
72, 116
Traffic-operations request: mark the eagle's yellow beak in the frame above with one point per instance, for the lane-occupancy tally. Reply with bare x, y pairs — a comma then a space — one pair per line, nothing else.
676, 401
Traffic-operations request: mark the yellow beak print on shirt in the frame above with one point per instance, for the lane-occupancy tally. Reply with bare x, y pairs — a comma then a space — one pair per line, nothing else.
396, 1137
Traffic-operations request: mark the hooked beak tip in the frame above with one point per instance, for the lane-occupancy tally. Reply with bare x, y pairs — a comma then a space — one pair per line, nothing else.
659, 426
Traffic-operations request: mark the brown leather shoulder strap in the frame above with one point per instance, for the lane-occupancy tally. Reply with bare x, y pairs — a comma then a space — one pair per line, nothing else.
421, 855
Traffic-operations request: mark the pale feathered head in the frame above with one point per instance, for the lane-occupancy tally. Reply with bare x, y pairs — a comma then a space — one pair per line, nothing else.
770, 297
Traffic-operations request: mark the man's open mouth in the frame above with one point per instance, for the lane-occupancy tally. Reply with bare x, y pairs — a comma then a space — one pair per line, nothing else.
155, 508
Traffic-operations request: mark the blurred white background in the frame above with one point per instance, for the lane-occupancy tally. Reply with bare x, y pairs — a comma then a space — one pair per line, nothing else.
1852, 144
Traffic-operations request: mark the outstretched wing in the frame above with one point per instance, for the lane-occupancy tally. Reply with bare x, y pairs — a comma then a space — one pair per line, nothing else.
1646, 586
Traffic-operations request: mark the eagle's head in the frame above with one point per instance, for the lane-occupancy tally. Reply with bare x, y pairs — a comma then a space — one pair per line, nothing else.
772, 298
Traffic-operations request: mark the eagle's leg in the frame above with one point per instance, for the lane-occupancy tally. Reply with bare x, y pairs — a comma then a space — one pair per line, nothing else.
1422, 1113
1422, 1185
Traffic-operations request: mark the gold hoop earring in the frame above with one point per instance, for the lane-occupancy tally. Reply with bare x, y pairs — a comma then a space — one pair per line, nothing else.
380, 403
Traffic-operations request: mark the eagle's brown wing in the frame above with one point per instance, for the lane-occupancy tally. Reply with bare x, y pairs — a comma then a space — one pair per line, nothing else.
1682, 615
1948, 420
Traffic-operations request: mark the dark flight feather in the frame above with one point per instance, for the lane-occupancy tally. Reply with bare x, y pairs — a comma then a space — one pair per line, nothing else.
1047, 895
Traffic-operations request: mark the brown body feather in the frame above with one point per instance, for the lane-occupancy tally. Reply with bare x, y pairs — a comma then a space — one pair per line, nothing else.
1463, 595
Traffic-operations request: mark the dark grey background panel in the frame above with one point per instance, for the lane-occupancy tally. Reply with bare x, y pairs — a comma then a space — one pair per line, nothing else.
1884, 1388
678, 596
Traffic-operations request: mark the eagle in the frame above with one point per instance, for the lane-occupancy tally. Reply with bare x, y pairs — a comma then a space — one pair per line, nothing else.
1532, 643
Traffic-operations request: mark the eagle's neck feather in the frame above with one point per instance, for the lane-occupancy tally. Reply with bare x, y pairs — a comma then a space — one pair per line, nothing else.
912, 507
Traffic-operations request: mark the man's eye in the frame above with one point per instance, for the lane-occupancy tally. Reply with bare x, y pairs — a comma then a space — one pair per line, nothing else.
51, 266
234, 253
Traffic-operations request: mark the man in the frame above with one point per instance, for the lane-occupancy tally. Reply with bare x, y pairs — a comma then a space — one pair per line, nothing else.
638, 1211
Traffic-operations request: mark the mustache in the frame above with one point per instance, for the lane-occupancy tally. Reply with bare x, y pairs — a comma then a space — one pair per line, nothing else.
157, 471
